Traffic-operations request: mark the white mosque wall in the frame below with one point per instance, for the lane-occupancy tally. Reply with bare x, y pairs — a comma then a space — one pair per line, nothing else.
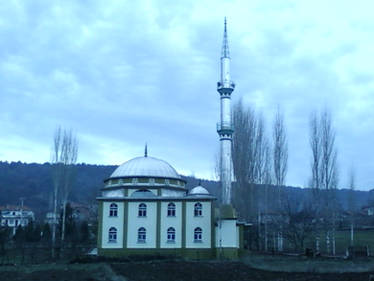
114, 193
109, 222
175, 222
172, 193
131, 191
204, 222
227, 234
135, 222
237, 237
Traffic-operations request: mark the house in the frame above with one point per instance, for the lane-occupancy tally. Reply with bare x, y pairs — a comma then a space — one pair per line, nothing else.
15, 216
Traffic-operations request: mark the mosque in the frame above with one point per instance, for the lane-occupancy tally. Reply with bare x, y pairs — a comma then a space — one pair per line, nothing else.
145, 207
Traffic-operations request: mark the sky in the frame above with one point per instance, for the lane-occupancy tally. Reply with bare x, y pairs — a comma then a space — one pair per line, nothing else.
124, 73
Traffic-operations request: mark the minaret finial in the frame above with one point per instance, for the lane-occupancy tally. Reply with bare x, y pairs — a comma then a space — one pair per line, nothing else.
145, 150
225, 44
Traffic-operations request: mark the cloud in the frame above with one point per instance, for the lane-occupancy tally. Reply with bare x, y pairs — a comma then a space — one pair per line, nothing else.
123, 73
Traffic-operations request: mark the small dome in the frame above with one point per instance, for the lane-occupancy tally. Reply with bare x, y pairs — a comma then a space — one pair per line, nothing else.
146, 167
199, 190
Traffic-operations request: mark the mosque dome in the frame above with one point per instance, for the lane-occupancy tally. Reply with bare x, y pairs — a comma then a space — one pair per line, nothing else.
146, 167
199, 190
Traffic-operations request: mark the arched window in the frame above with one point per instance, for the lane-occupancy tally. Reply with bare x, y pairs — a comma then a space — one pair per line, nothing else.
142, 235
171, 210
113, 210
142, 212
112, 237
198, 234
171, 234
198, 211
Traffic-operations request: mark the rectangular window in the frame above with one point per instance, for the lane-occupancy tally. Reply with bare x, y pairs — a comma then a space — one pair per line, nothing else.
171, 237
171, 212
143, 180
112, 237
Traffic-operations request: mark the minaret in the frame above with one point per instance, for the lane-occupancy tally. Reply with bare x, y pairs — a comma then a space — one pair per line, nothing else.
224, 128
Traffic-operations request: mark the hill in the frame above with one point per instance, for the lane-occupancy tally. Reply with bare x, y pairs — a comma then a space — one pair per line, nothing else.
33, 182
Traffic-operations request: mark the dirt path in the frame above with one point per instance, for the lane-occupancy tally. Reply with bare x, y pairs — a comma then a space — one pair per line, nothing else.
219, 271
163, 271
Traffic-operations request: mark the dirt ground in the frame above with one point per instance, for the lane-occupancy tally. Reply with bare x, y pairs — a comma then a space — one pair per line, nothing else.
209, 271
164, 271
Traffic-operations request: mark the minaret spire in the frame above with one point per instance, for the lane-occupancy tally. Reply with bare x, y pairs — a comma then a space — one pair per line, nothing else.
145, 150
224, 128
225, 43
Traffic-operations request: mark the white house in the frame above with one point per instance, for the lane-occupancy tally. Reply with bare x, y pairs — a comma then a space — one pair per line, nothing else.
13, 217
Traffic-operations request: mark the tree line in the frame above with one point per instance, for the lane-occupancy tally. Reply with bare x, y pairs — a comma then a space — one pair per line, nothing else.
34, 241
260, 163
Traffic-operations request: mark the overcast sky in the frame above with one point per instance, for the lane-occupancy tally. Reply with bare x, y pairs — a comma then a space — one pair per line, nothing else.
122, 73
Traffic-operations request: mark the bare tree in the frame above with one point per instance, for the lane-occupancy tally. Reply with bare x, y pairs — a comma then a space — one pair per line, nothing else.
280, 162
298, 223
280, 151
56, 176
64, 156
351, 201
251, 167
329, 176
243, 155
315, 145
267, 190
324, 179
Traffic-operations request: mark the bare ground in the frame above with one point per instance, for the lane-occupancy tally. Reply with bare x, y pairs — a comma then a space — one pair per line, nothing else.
165, 271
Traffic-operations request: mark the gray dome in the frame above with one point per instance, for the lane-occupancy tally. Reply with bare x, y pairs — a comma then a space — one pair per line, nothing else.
146, 167
199, 190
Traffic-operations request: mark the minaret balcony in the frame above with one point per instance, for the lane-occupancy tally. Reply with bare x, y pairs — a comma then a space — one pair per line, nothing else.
225, 88
225, 128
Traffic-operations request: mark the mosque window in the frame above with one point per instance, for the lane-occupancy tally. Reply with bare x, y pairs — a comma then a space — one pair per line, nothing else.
112, 237
142, 212
127, 180
171, 234
175, 182
160, 181
142, 235
198, 234
113, 210
198, 211
143, 180
171, 210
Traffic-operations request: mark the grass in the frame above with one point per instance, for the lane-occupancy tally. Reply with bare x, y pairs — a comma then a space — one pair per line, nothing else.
342, 241
302, 264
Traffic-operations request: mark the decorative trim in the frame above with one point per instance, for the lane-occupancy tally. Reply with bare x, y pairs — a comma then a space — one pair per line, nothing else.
183, 224
154, 177
190, 253
212, 226
125, 223
147, 186
241, 236
100, 226
158, 225
174, 199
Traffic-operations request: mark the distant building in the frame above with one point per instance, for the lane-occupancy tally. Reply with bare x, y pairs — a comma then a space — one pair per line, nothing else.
368, 210
15, 216
51, 217
81, 212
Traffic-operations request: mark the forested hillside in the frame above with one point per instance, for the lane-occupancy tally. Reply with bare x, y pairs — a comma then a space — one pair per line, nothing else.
33, 182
